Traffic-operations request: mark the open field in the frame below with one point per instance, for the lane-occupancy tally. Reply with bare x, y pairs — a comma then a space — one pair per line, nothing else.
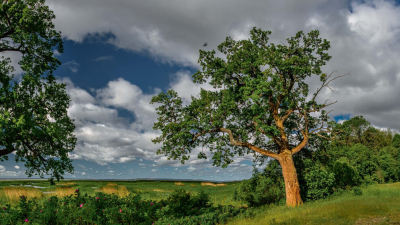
379, 204
10, 190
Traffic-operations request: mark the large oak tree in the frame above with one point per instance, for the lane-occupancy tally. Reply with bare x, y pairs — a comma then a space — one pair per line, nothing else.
33, 113
253, 104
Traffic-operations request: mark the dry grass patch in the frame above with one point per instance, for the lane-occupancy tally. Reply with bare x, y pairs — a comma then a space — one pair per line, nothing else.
179, 183
112, 184
211, 184
13, 193
121, 191
62, 192
161, 190
67, 184
192, 185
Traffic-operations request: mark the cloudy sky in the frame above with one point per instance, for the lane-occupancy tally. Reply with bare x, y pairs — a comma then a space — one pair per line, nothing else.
119, 54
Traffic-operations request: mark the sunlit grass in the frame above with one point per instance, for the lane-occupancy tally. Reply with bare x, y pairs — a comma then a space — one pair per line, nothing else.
378, 204
12, 194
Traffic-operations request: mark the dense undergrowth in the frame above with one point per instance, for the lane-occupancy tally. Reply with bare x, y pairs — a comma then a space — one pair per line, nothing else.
180, 208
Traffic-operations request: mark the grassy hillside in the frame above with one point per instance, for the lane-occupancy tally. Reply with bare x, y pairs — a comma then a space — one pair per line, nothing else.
379, 204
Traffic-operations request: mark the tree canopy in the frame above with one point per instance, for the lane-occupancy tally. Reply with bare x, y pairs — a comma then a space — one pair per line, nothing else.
33, 113
253, 103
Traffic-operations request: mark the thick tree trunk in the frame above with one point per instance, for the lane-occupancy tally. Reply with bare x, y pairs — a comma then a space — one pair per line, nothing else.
292, 186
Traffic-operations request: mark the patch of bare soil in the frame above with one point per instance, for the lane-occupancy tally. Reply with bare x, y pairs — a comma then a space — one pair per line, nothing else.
390, 219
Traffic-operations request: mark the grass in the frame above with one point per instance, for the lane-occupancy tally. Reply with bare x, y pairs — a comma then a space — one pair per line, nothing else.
379, 204
154, 190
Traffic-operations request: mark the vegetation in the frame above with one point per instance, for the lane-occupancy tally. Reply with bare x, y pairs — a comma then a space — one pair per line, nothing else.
253, 104
328, 167
33, 114
160, 202
137, 202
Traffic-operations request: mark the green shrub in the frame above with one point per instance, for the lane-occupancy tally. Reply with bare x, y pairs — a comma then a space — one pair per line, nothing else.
345, 174
319, 181
263, 188
357, 191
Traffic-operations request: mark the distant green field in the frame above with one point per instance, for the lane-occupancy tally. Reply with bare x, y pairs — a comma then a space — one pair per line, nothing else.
155, 190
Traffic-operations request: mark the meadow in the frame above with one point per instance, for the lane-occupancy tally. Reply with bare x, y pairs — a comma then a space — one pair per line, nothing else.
105, 204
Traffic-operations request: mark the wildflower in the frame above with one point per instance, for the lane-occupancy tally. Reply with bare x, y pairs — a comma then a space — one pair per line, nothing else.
26, 220
23, 196
4, 207
64, 203
40, 210
49, 199
56, 211
77, 190
97, 198
151, 203
103, 210
81, 205
120, 210
104, 198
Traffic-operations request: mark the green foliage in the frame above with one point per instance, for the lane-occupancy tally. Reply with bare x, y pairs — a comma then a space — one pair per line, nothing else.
357, 191
104, 209
319, 181
25, 107
345, 174
263, 188
388, 164
183, 128
396, 141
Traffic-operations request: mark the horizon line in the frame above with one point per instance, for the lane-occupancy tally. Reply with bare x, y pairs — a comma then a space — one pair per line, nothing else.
132, 179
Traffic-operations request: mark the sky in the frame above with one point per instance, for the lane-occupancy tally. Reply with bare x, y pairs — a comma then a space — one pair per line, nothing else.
119, 54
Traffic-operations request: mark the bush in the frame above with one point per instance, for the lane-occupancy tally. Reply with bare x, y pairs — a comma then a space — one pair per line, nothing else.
345, 174
263, 188
357, 191
319, 181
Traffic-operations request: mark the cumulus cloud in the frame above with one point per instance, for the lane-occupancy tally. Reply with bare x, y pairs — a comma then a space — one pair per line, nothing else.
363, 44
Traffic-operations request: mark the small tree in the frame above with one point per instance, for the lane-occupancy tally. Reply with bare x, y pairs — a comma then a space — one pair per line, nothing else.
33, 114
262, 103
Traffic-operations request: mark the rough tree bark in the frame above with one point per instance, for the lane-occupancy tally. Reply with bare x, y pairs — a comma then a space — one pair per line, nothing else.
292, 186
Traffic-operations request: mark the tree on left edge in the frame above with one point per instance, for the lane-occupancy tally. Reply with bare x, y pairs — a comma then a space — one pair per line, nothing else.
33, 113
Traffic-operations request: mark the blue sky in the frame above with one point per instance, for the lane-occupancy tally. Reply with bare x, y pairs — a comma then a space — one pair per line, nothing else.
117, 56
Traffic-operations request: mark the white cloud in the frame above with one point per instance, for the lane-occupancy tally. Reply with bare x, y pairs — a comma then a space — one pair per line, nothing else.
363, 43
2, 169
104, 58
56, 53
16, 167
72, 65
